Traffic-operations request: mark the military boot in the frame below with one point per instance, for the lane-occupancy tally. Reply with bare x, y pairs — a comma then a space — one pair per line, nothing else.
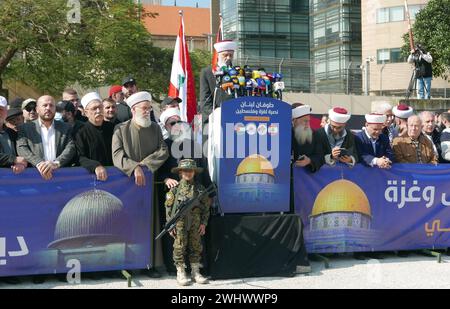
196, 275
182, 278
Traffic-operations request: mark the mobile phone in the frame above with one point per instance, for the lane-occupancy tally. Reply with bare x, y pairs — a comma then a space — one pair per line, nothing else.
343, 153
300, 158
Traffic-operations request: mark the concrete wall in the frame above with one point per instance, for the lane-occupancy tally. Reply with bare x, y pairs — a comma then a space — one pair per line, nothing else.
321, 103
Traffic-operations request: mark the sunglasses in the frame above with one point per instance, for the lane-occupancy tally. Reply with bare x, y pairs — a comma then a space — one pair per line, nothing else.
174, 123
30, 108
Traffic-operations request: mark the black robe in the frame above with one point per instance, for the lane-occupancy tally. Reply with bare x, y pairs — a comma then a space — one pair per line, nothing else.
207, 89
7, 159
323, 148
307, 150
94, 145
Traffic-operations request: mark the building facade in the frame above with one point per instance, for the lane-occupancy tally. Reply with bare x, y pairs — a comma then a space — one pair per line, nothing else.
273, 35
335, 46
165, 26
384, 22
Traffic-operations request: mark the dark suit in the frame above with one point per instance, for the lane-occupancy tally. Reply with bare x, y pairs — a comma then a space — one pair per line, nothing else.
29, 143
323, 148
8, 159
207, 89
365, 148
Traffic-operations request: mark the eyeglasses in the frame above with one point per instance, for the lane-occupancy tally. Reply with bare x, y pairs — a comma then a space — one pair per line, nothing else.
174, 123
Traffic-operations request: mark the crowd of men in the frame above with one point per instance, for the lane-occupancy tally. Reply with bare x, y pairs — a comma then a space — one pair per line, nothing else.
95, 133
390, 135
122, 131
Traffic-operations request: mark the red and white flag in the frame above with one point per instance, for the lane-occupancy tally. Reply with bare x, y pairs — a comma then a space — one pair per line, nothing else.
182, 82
219, 38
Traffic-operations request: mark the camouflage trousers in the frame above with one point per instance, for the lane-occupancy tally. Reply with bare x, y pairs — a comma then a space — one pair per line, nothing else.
188, 239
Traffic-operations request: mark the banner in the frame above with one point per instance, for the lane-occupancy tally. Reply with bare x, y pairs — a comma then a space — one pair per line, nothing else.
369, 209
252, 155
51, 226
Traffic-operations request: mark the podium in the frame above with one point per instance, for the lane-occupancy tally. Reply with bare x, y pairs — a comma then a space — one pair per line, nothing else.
249, 153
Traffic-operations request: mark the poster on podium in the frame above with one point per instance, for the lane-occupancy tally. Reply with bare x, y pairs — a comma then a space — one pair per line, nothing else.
249, 154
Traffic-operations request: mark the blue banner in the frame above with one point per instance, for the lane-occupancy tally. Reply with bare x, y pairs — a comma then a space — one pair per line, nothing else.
369, 209
46, 224
254, 166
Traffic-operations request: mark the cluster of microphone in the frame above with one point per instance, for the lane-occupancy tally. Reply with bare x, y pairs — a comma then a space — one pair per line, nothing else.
244, 81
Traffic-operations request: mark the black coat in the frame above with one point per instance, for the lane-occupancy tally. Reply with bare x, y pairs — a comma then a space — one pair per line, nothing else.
207, 89
307, 150
7, 160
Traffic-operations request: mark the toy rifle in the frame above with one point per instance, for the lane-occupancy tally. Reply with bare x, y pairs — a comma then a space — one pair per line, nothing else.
183, 209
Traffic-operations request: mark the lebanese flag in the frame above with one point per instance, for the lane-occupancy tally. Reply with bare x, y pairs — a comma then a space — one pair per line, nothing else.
182, 82
219, 38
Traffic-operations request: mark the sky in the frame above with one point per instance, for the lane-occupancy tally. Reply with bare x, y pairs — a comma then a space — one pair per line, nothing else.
201, 3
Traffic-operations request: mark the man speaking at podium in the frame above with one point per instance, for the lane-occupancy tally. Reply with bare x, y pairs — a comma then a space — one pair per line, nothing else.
210, 80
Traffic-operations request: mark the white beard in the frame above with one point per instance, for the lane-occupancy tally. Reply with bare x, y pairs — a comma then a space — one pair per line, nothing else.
302, 135
143, 121
183, 134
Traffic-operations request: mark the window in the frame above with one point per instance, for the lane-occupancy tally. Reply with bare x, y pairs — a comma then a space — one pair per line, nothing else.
396, 14
413, 10
396, 55
383, 56
393, 55
382, 16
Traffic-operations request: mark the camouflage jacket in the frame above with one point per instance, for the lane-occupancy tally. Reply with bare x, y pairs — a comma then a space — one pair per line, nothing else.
183, 192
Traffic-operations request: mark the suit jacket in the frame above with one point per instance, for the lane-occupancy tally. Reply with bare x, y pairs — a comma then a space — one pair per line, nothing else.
207, 89
323, 148
365, 149
405, 152
29, 143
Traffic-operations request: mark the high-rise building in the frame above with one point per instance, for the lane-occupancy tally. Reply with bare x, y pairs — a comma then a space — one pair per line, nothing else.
273, 35
384, 23
335, 46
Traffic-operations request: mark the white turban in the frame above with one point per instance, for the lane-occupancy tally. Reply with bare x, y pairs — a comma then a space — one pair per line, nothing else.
138, 98
3, 102
375, 118
403, 111
339, 115
225, 45
88, 98
301, 111
169, 113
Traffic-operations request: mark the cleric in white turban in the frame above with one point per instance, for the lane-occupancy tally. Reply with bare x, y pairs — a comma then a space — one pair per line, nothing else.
373, 146
209, 98
402, 112
336, 143
302, 138
138, 144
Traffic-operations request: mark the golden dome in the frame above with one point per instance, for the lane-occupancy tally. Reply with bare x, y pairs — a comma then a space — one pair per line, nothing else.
255, 164
341, 196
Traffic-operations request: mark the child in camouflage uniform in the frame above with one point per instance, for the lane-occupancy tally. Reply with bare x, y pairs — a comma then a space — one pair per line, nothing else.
190, 229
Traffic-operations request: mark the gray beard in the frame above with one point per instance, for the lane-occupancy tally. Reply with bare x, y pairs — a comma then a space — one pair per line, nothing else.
184, 134
303, 136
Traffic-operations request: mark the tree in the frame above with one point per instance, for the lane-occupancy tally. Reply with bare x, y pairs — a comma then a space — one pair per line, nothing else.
42, 47
432, 30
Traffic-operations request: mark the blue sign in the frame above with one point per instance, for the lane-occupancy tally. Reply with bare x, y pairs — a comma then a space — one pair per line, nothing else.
46, 224
369, 209
254, 166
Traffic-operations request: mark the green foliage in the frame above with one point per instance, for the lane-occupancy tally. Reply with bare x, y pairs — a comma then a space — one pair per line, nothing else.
432, 30
41, 48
